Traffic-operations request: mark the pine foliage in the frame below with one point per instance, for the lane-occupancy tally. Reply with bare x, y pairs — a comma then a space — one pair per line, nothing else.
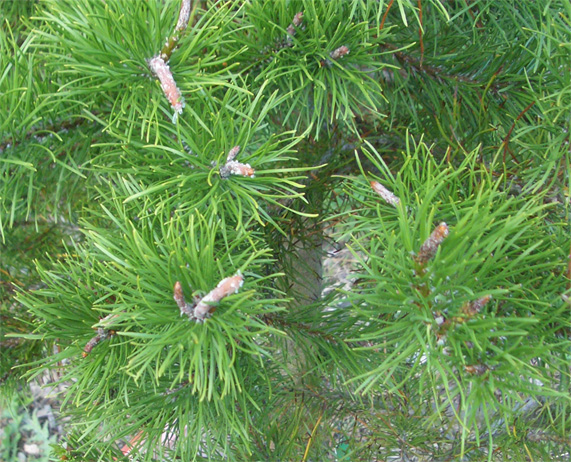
429, 141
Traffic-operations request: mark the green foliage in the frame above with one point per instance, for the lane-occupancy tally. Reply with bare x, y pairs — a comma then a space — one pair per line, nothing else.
26, 245
19, 427
323, 91
458, 352
416, 314
38, 133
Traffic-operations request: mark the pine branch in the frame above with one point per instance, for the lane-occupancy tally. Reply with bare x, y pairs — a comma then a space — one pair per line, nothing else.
187, 311
435, 72
38, 132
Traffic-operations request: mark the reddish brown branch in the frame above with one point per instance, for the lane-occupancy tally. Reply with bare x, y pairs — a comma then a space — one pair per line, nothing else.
102, 334
432, 71
420, 32
133, 442
569, 271
479, 24
507, 138
385, 15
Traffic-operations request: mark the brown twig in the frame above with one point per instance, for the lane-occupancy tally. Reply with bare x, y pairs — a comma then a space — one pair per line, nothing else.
569, 271
433, 71
507, 138
310, 440
385, 15
102, 333
420, 32
13, 281
479, 24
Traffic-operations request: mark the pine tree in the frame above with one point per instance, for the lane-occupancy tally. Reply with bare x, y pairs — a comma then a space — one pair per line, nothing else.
177, 177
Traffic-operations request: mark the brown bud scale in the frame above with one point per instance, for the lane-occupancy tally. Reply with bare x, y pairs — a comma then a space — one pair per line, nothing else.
476, 369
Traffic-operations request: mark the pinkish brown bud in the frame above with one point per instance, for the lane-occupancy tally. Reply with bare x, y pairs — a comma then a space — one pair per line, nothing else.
430, 246
297, 19
388, 196
237, 168
227, 286
102, 334
475, 306
183, 15
232, 167
296, 22
233, 153
178, 296
339, 52
161, 69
